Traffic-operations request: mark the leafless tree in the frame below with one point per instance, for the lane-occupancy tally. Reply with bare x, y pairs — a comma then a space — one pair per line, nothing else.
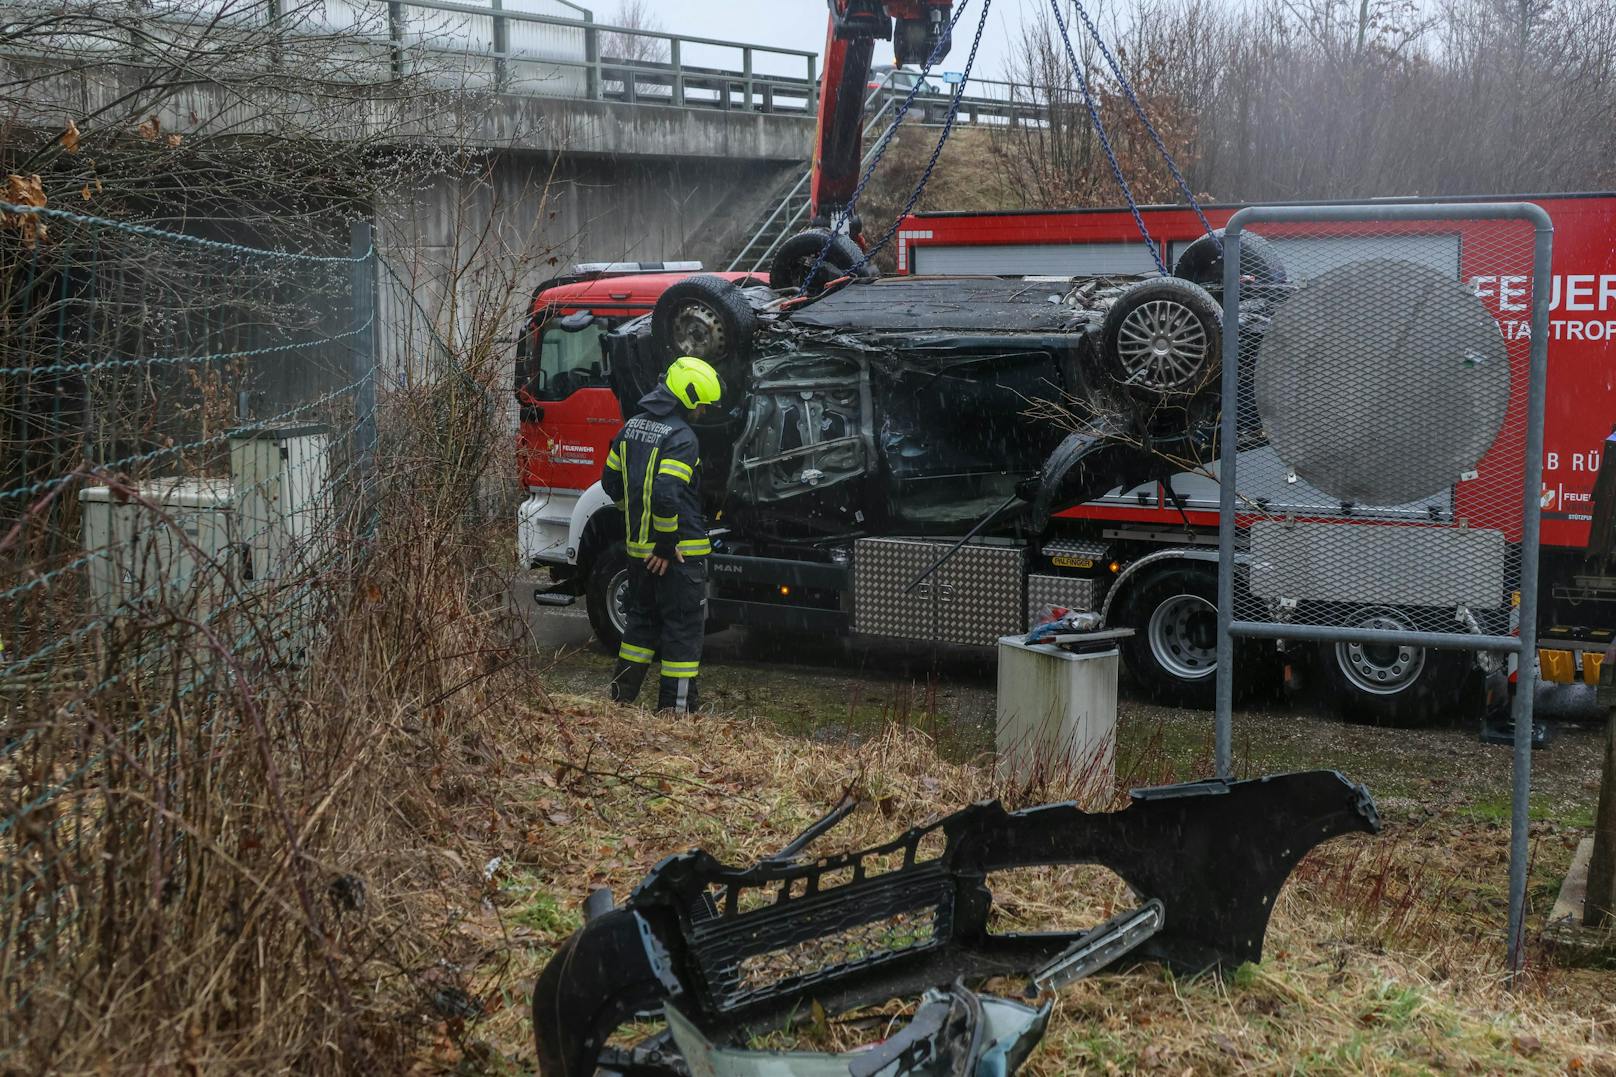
1292, 99
636, 48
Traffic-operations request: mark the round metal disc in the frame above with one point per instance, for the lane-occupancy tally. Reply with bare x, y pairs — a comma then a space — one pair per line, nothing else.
1382, 382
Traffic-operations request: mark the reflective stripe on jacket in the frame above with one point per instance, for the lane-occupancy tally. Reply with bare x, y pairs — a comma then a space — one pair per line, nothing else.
653, 473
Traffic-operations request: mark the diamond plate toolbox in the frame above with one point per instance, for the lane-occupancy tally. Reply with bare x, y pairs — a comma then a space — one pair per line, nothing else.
979, 595
974, 598
1068, 591
882, 568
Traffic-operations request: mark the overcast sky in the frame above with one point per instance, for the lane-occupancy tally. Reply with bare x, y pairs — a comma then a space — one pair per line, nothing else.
800, 24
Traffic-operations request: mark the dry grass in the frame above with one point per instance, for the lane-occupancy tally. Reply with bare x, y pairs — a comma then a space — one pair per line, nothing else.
1382, 956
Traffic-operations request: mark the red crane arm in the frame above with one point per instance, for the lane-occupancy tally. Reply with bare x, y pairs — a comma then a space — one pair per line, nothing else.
915, 27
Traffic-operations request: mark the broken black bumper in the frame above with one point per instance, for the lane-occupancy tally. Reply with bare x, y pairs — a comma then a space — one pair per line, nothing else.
744, 949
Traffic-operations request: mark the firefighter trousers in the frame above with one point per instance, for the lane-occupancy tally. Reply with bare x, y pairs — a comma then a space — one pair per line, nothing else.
665, 616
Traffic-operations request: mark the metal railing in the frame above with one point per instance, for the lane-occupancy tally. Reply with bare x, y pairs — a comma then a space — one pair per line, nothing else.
609, 62
493, 47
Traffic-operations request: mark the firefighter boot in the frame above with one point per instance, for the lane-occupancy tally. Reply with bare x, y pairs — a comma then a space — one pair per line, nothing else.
626, 681
678, 693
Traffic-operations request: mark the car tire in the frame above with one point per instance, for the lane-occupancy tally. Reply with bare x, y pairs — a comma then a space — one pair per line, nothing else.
1389, 685
1202, 261
707, 317
604, 594
797, 255
1162, 341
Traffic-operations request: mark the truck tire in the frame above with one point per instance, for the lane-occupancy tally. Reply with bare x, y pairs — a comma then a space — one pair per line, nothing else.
1384, 684
604, 594
797, 255
1162, 340
1202, 261
1172, 653
707, 317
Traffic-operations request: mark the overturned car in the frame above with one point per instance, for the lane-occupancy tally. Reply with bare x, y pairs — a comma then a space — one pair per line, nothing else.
919, 406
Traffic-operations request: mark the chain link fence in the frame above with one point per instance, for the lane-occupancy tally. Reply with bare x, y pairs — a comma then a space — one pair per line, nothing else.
187, 426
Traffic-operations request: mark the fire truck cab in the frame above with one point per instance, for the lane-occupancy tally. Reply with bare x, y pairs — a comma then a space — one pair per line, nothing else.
568, 413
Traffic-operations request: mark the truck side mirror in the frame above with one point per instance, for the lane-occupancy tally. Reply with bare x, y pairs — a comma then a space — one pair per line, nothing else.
579, 320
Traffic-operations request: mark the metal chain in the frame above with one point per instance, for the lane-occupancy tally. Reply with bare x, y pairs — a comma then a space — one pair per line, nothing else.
936, 153
1105, 139
171, 360
179, 237
1139, 110
885, 142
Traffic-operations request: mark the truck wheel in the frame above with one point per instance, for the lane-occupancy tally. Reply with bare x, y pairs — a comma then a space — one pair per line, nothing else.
1202, 261
704, 316
606, 594
1173, 650
1162, 340
797, 255
1393, 685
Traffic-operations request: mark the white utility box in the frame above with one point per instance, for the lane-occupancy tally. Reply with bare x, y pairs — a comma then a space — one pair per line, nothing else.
172, 547
283, 497
1058, 711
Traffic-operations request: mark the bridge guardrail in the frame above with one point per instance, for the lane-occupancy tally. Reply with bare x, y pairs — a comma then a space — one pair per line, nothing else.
509, 50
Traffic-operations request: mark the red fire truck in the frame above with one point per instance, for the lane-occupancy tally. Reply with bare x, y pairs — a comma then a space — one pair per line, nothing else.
1137, 557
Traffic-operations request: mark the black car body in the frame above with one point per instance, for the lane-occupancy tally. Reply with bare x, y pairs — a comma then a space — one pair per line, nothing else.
919, 406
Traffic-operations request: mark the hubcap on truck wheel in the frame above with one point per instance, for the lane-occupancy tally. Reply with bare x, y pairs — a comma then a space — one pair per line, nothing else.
1183, 634
1162, 345
617, 600
1381, 669
699, 331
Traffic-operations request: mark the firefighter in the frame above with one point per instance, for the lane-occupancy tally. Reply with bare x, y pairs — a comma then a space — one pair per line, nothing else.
653, 473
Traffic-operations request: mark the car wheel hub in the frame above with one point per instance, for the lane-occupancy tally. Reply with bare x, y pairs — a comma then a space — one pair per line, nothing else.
1183, 635
698, 331
1162, 345
1381, 669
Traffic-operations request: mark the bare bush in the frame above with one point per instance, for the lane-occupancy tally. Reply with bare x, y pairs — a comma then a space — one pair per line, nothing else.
231, 800
635, 48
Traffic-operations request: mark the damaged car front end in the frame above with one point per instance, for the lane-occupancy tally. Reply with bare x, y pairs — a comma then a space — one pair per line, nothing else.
726, 953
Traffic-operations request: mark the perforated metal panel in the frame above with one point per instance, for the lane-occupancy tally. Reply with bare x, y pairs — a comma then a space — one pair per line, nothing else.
882, 569
1380, 565
979, 595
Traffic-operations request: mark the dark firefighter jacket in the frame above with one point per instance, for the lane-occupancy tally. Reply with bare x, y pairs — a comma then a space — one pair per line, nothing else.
654, 474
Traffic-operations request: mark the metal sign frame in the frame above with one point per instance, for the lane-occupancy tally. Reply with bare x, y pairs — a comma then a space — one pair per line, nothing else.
1524, 645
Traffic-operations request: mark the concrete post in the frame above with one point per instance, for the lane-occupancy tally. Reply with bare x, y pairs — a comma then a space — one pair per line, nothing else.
1599, 906
592, 57
678, 72
502, 47
395, 36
